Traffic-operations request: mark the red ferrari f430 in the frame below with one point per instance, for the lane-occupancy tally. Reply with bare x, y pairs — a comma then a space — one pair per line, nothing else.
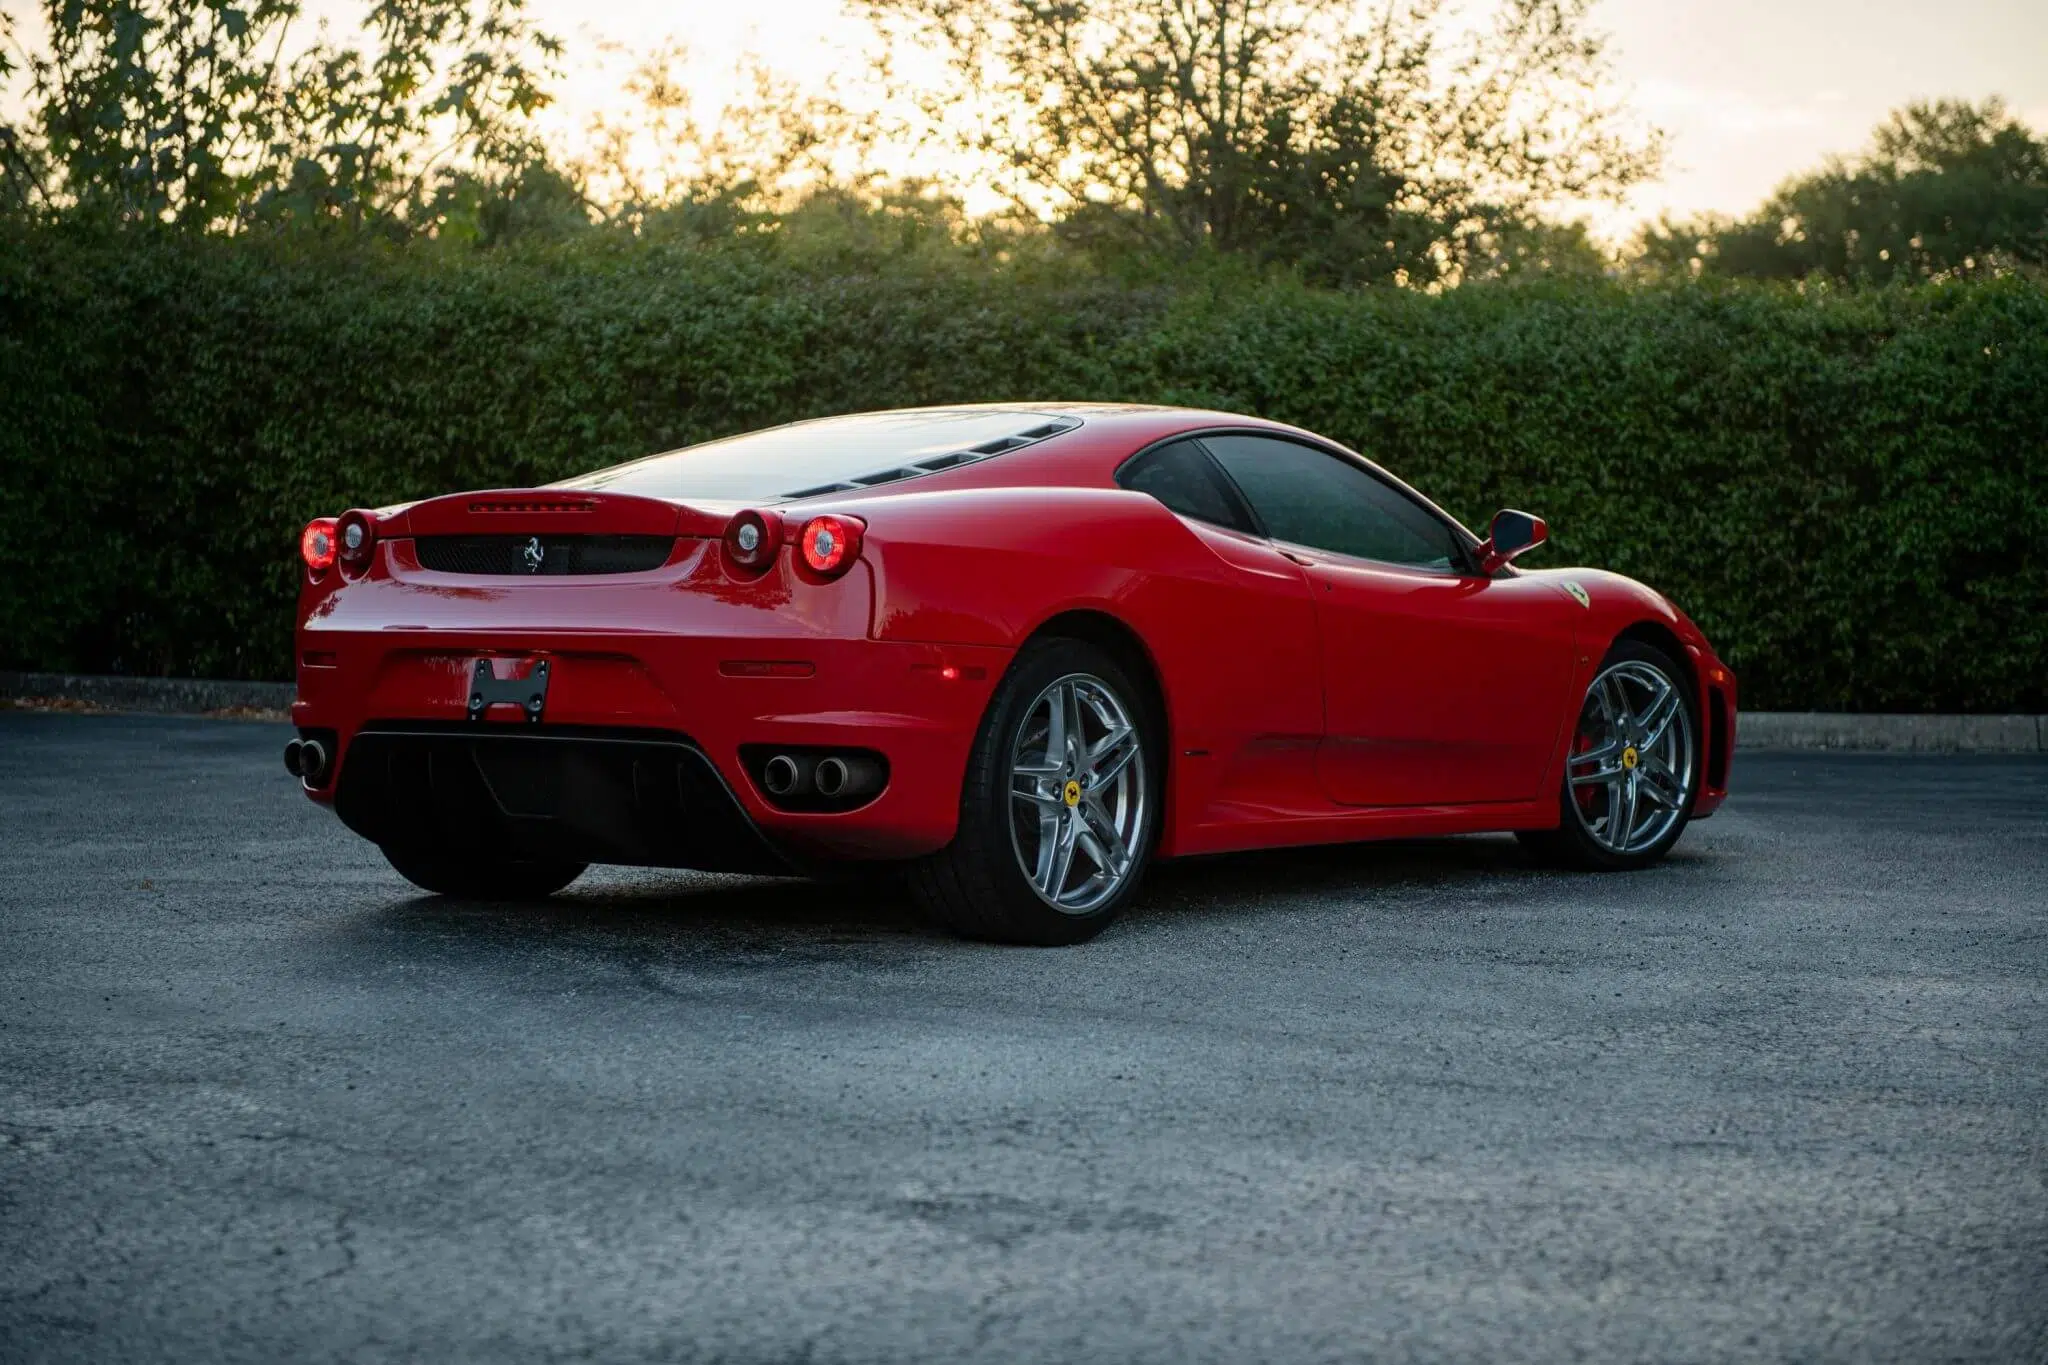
1018, 651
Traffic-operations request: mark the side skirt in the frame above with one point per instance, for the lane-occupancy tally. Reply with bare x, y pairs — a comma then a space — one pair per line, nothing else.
1244, 829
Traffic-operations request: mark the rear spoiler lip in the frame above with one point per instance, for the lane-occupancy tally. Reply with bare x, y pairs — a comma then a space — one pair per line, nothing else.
548, 511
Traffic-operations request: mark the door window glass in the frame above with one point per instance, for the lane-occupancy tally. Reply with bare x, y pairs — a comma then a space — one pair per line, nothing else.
1311, 498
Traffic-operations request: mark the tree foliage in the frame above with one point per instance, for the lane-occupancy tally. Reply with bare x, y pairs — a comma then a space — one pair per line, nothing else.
1842, 486
1360, 145
214, 115
665, 164
1946, 189
1351, 141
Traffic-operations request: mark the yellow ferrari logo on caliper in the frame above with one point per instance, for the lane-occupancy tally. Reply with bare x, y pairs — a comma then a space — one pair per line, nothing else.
1629, 758
1072, 794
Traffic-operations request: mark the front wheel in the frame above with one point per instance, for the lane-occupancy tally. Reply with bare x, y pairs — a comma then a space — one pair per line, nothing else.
1060, 809
1634, 766
483, 879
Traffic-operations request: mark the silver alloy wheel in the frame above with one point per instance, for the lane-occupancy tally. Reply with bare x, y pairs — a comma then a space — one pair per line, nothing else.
1631, 765
1077, 794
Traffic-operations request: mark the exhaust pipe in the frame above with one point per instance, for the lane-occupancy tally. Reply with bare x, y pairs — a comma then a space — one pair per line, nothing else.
312, 760
291, 758
783, 775
852, 776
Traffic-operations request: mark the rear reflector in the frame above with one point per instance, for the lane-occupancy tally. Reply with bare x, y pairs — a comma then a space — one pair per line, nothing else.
952, 672
767, 668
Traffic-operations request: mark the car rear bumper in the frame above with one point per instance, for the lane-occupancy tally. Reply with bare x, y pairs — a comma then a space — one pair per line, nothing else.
637, 755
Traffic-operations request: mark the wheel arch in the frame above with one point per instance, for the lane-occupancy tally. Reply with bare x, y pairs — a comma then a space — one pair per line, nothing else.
1121, 641
956, 882
1661, 636
1710, 702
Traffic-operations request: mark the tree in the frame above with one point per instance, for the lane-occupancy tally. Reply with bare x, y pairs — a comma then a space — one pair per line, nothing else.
201, 114
1947, 188
667, 169
449, 88
151, 111
24, 164
1357, 146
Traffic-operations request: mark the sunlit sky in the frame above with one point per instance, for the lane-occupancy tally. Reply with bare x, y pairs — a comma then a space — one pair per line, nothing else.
1749, 91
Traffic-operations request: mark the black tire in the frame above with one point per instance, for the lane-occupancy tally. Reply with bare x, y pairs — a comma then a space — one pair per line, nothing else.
976, 886
1571, 844
477, 879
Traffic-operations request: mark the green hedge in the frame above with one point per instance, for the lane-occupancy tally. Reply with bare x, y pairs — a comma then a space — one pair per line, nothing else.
1845, 489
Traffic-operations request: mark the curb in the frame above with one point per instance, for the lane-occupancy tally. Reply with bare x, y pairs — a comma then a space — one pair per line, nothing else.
165, 696
1809, 730
1761, 731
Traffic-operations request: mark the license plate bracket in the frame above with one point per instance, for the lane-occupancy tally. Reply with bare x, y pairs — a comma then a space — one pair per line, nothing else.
529, 693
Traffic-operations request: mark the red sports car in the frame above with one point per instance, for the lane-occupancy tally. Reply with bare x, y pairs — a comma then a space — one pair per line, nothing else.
1018, 651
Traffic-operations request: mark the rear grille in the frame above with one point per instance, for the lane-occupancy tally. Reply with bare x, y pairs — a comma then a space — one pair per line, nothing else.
526, 556
483, 790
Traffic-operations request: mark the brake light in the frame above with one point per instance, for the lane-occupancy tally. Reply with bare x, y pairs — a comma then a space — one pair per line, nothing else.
752, 540
830, 544
355, 537
317, 544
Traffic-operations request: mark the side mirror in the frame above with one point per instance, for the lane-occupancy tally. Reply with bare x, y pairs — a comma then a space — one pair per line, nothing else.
1513, 534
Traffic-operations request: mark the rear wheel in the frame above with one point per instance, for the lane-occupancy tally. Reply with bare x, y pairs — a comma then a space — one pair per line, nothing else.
1060, 809
483, 879
1634, 767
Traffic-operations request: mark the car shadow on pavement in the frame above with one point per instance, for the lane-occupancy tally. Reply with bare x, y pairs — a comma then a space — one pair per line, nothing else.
647, 906
1240, 883
650, 905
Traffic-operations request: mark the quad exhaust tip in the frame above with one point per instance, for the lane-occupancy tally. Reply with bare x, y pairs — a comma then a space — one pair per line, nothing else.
854, 775
783, 775
306, 759
831, 777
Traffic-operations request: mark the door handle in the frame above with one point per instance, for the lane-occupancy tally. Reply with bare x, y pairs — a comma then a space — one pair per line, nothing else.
1299, 559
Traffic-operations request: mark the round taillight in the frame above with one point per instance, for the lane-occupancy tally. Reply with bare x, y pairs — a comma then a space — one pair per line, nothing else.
355, 538
317, 545
830, 545
752, 540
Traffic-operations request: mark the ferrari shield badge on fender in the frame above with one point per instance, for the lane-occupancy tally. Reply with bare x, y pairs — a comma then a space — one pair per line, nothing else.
1578, 594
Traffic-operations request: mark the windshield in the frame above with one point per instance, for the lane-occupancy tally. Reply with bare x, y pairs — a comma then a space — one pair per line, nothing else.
831, 454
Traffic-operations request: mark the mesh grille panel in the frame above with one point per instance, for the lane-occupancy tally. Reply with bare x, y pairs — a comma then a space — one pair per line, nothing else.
527, 556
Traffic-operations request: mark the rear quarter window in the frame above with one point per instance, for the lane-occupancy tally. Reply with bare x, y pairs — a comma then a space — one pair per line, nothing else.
1182, 476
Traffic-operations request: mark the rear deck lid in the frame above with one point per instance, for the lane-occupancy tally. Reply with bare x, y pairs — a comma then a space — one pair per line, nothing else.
553, 511
527, 532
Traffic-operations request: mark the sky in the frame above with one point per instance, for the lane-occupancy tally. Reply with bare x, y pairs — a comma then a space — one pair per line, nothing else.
1749, 91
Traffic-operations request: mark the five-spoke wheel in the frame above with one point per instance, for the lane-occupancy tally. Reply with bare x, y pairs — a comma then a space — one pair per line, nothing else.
1059, 811
1631, 773
1631, 759
1077, 779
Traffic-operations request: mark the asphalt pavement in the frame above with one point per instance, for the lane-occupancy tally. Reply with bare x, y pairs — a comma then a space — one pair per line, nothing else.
1782, 1098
